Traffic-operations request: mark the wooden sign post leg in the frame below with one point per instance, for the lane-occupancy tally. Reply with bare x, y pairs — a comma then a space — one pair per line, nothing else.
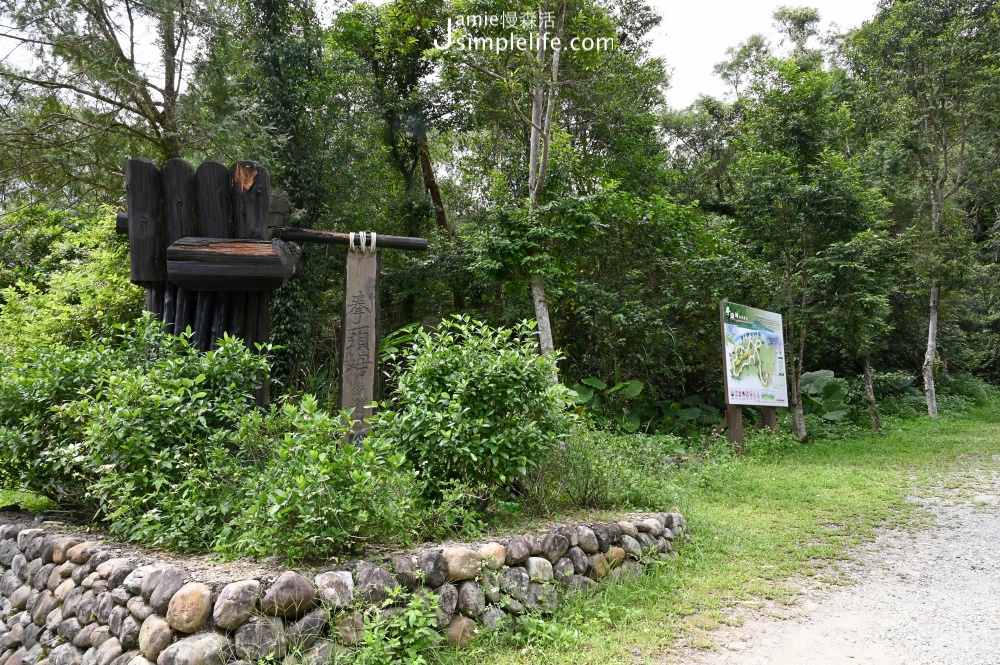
734, 417
359, 335
769, 417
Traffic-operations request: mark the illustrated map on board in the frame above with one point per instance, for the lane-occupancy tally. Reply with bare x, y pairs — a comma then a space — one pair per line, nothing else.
755, 356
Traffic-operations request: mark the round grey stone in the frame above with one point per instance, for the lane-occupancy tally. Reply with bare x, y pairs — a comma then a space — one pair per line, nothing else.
563, 569
303, 633
236, 602
201, 649
471, 600
518, 550
514, 582
172, 578
291, 595
447, 598
372, 583
434, 567
554, 546
493, 618
261, 638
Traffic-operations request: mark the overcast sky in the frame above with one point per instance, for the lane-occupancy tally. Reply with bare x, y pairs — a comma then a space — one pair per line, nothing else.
695, 34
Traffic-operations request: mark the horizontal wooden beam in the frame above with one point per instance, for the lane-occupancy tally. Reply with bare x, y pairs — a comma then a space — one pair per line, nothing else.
228, 264
334, 238
320, 237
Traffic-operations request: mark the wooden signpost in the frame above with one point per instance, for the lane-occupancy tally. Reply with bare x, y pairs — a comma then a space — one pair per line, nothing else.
209, 248
753, 366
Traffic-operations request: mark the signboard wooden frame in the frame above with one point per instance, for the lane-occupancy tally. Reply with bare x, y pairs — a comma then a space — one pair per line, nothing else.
760, 350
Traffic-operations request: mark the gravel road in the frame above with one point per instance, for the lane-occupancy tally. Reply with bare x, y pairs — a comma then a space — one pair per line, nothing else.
930, 597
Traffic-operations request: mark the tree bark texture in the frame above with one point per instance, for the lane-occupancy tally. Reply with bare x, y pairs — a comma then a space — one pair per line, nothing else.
870, 393
930, 393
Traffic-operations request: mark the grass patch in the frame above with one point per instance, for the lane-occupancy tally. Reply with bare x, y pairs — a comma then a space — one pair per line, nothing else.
755, 525
26, 501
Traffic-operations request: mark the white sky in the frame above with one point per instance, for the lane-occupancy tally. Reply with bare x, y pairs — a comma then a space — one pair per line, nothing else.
695, 34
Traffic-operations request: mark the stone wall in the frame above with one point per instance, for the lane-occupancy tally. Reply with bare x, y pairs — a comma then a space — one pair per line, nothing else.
67, 601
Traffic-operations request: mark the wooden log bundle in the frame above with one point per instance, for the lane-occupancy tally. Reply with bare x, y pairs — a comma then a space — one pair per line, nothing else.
201, 247
225, 264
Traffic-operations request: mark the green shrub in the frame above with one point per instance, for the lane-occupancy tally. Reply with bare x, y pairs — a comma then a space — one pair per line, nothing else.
474, 404
316, 494
65, 281
40, 450
600, 469
404, 636
156, 434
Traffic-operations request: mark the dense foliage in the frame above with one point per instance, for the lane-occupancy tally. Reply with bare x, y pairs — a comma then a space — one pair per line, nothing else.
474, 405
848, 181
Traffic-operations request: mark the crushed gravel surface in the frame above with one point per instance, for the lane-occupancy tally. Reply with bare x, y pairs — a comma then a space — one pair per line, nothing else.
929, 596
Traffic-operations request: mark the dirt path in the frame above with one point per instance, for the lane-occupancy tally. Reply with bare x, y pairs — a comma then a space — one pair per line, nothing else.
926, 598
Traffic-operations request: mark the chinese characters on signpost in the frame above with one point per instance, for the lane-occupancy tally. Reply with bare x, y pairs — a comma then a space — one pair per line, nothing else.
359, 350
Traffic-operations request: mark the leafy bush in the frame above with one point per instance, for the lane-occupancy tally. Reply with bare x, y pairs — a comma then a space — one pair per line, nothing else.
156, 434
612, 403
39, 449
474, 404
317, 494
405, 636
64, 281
600, 469
165, 444
824, 395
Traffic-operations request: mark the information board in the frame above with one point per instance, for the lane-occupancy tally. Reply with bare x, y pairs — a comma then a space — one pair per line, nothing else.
754, 356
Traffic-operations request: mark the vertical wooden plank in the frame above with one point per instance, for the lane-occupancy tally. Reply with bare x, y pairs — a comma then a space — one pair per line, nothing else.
734, 416
236, 323
251, 191
147, 242
215, 220
359, 336
203, 319
185, 309
169, 306
220, 317
250, 318
769, 417
215, 205
180, 220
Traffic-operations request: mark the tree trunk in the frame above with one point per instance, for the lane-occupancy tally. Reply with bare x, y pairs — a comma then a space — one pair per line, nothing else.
430, 182
870, 393
541, 135
930, 395
793, 364
542, 314
798, 414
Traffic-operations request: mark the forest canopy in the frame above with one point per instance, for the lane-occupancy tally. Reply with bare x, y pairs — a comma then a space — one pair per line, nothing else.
847, 181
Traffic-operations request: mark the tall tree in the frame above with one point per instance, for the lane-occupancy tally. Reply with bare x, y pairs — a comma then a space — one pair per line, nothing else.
796, 194
87, 75
934, 61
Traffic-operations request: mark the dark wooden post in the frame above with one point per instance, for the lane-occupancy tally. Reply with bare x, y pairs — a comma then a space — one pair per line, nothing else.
360, 333
251, 191
220, 263
215, 216
180, 221
147, 241
769, 417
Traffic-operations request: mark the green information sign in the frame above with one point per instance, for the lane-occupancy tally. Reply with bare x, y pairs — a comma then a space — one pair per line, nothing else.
754, 356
